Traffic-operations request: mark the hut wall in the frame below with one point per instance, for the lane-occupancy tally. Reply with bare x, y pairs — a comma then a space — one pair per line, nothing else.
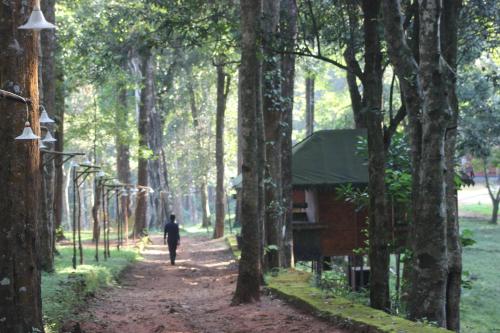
344, 225
312, 205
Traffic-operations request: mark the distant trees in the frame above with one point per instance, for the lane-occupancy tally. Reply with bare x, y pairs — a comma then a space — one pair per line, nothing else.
479, 123
20, 295
223, 85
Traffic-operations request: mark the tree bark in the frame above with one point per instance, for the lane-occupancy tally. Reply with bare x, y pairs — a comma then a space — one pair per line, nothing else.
48, 95
449, 27
123, 154
372, 115
20, 308
272, 110
154, 167
146, 105
310, 80
248, 284
288, 27
59, 146
428, 293
205, 209
353, 65
223, 82
201, 181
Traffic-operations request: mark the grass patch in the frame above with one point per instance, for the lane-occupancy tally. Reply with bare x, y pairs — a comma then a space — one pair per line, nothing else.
480, 311
296, 287
476, 209
66, 289
233, 245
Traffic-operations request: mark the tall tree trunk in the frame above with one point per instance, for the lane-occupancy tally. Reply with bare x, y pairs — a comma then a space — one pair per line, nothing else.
272, 110
59, 146
48, 96
449, 47
20, 292
146, 105
288, 27
223, 82
428, 291
310, 80
123, 152
154, 166
201, 182
205, 209
353, 66
494, 212
247, 287
372, 102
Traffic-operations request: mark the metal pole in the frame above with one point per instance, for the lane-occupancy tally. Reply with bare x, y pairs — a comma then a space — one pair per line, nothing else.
73, 170
104, 221
79, 226
117, 209
125, 206
108, 223
228, 210
97, 184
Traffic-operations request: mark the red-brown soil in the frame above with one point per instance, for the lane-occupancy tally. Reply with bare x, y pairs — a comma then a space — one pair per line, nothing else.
193, 296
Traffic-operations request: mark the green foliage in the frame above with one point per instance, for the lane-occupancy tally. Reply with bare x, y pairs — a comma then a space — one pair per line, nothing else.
478, 91
66, 289
467, 238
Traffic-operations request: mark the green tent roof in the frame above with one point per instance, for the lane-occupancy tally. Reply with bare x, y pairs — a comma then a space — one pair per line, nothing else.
328, 158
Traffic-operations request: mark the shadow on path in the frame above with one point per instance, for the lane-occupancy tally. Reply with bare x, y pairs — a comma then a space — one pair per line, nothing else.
193, 296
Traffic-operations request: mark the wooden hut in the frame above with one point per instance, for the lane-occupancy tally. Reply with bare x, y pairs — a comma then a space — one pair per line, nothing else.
324, 224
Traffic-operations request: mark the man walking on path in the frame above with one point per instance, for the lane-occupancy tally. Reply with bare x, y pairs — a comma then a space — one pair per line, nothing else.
174, 239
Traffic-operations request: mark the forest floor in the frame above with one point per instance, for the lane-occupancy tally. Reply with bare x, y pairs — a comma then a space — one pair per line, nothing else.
193, 296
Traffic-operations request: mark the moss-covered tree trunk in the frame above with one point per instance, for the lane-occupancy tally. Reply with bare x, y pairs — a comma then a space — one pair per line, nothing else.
288, 28
20, 305
372, 108
449, 26
310, 90
147, 102
272, 111
249, 275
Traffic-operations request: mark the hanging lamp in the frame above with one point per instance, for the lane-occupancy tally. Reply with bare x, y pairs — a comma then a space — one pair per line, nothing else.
87, 162
44, 117
36, 20
101, 174
49, 138
27, 133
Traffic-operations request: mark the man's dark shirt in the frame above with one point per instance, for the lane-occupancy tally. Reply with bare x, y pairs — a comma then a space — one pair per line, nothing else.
172, 230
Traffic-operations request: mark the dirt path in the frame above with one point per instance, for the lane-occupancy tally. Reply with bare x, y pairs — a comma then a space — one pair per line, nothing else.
193, 296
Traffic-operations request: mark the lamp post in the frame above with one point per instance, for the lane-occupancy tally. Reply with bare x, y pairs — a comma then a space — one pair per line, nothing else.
77, 175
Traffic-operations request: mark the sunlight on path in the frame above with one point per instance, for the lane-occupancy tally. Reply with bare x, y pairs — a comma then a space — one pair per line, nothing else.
193, 296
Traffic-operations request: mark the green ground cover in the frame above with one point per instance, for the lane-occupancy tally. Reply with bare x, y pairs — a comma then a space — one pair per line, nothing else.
64, 290
297, 287
477, 209
480, 304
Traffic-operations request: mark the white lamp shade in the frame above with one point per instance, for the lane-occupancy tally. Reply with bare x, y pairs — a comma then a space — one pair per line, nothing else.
27, 133
37, 21
42, 146
101, 174
86, 162
45, 119
48, 138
